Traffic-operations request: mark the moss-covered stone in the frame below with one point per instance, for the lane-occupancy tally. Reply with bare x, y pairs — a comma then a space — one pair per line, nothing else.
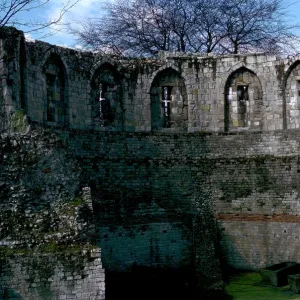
19, 122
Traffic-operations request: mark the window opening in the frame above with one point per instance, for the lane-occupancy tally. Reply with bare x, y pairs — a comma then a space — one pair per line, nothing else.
242, 97
166, 103
55, 95
50, 97
102, 103
230, 94
242, 91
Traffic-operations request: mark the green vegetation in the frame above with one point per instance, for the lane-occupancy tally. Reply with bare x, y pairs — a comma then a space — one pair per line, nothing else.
17, 121
248, 286
49, 248
76, 201
68, 207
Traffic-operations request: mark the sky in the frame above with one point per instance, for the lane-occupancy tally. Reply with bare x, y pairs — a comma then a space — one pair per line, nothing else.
86, 9
83, 9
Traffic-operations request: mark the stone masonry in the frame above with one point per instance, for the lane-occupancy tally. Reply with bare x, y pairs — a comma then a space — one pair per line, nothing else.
192, 161
171, 93
47, 232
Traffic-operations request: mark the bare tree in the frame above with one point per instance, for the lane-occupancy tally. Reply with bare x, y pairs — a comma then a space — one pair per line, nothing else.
134, 27
181, 19
207, 32
256, 25
11, 11
142, 27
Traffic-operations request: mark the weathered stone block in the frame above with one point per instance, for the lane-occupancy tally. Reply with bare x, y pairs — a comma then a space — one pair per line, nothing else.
294, 283
277, 275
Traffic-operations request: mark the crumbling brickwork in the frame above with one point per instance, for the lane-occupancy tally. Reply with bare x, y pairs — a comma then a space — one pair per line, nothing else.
73, 273
47, 232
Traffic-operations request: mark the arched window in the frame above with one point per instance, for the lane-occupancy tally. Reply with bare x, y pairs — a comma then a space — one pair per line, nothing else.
106, 98
168, 101
243, 101
55, 91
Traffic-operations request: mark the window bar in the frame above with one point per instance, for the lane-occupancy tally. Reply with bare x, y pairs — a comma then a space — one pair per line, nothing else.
101, 99
166, 101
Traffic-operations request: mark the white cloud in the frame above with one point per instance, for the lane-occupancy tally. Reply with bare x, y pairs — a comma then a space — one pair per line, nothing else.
57, 34
29, 37
82, 10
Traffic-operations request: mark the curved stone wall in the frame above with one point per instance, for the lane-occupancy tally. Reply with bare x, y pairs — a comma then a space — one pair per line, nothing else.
178, 146
132, 98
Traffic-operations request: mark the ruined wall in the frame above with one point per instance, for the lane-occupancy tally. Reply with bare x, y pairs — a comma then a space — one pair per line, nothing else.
157, 195
172, 92
249, 180
47, 228
149, 214
71, 273
47, 220
12, 76
147, 136
198, 90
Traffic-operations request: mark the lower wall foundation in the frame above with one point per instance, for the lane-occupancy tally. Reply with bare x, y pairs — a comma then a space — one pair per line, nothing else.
257, 244
69, 274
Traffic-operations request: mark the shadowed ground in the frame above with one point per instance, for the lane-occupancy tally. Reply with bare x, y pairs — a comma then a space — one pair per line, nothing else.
156, 284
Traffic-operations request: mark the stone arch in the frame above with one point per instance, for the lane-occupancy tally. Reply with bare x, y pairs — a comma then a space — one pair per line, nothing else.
243, 101
237, 66
55, 51
106, 98
103, 61
56, 107
154, 74
291, 96
169, 105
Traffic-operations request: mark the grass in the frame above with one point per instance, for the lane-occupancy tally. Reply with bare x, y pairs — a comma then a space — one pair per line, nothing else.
248, 286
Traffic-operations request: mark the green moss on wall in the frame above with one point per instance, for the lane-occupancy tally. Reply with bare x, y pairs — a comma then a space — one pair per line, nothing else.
7, 252
18, 123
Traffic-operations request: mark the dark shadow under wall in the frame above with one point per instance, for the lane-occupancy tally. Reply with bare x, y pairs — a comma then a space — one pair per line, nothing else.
149, 284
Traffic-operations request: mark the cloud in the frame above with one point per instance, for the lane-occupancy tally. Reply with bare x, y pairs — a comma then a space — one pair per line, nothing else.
83, 9
58, 33
29, 37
